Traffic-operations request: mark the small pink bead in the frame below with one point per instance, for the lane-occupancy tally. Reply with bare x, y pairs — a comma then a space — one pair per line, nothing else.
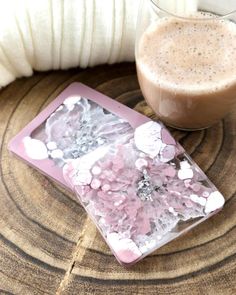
95, 184
106, 187
188, 204
96, 170
111, 177
187, 183
168, 153
205, 194
196, 187
102, 176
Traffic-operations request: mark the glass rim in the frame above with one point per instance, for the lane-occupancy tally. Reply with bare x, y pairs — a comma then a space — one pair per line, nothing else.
198, 19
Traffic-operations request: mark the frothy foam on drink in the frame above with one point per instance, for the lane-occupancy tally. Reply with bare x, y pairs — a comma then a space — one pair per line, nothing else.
189, 55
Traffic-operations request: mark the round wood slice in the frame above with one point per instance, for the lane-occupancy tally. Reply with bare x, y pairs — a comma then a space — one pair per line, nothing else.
48, 245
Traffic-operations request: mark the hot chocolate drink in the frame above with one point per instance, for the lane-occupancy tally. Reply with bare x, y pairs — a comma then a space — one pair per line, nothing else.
187, 69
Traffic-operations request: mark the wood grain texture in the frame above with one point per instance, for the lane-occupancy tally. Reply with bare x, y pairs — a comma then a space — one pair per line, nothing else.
49, 246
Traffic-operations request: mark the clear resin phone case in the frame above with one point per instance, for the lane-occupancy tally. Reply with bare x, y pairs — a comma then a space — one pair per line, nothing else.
135, 181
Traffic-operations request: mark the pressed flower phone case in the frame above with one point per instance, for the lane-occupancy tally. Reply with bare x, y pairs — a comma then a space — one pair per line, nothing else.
135, 181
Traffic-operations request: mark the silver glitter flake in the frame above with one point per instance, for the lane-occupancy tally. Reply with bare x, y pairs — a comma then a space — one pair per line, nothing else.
145, 187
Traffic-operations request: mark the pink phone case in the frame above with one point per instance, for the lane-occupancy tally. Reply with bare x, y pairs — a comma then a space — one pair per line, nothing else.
135, 181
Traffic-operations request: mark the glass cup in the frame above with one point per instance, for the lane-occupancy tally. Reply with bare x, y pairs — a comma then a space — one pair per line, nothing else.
186, 60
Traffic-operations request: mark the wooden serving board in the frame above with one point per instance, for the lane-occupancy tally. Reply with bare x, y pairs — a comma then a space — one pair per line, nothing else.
49, 246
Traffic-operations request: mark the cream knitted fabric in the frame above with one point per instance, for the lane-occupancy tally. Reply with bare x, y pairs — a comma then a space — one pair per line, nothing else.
59, 34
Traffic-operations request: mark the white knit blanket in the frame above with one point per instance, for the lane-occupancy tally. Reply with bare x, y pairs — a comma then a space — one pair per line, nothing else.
56, 34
